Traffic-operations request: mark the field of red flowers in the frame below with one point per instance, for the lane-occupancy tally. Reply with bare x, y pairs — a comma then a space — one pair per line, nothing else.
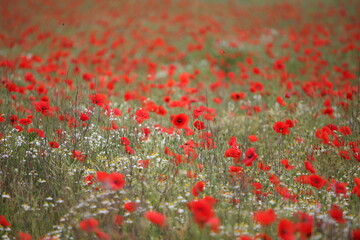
180, 119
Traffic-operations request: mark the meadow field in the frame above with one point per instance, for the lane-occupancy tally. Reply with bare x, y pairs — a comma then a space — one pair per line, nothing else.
180, 119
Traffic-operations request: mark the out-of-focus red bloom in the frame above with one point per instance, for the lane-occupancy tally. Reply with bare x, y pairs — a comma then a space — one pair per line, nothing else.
245, 237
286, 230
237, 96
144, 163
262, 236
25, 121
4, 222
129, 150
54, 144
102, 235
309, 167
84, 117
43, 107
119, 220
89, 225
23, 236
252, 138
286, 164
281, 127
19, 128
290, 123
256, 86
280, 101
198, 187
266, 217
250, 156
328, 111
316, 181
214, 224
141, 115
124, 141
79, 155
345, 130
355, 234
337, 214
90, 179
199, 125
232, 152
113, 181
202, 210
235, 170
116, 181
232, 142
130, 206
156, 218
304, 224
98, 99
356, 189
339, 187
180, 120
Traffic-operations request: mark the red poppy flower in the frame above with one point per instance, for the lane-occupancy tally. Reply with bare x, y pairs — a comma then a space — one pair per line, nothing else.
237, 96
290, 123
4, 222
25, 121
235, 170
281, 127
43, 107
250, 156
233, 152
89, 179
198, 187
214, 224
356, 234
286, 229
202, 211
119, 220
141, 115
180, 120
116, 181
130, 206
199, 125
316, 181
340, 188
156, 218
54, 144
245, 237
84, 117
98, 99
280, 101
102, 235
23, 236
124, 141
19, 128
266, 217
345, 130
79, 155
129, 150
89, 225
304, 224
309, 167
337, 214
286, 164
252, 138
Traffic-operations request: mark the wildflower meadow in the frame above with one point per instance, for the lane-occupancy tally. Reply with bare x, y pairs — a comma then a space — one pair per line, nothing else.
180, 119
